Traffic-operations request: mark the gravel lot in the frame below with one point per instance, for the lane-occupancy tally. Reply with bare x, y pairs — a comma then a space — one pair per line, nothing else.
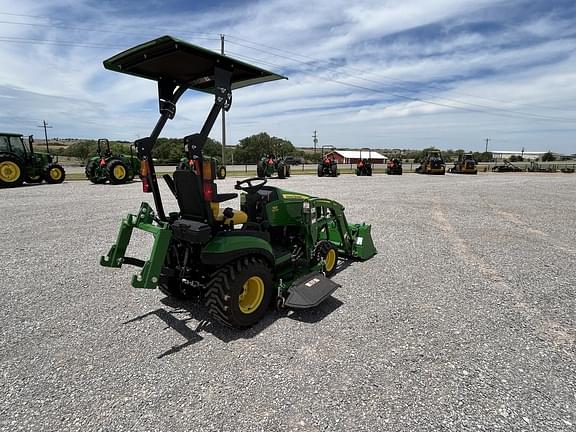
465, 320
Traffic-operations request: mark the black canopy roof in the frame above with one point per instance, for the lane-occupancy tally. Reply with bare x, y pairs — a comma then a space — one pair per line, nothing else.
167, 58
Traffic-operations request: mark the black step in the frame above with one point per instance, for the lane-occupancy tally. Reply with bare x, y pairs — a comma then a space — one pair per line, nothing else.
310, 291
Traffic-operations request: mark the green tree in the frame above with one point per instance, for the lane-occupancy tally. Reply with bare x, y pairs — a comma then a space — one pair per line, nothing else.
548, 157
252, 148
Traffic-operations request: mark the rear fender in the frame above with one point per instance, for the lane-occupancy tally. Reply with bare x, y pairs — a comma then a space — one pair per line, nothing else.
223, 249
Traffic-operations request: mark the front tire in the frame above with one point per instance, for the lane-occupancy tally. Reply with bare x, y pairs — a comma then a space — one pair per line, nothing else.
239, 293
54, 173
326, 252
320, 170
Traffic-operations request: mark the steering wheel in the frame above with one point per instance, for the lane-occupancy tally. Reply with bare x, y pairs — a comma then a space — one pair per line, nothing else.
251, 185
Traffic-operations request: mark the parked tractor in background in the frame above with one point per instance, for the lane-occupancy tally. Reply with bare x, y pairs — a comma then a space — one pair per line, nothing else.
19, 162
328, 166
279, 248
466, 164
394, 166
114, 168
270, 165
364, 165
220, 168
432, 164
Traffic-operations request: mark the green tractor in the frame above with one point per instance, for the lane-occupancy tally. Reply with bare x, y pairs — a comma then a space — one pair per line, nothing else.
185, 163
20, 163
278, 249
115, 168
270, 165
364, 165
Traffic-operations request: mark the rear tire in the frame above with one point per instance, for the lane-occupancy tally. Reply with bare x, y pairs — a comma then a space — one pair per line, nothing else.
334, 170
282, 172
287, 171
117, 172
54, 173
239, 293
11, 171
90, 172
260, 171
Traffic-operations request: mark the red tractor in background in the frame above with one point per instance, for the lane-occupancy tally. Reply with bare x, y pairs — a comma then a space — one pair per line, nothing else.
329, 165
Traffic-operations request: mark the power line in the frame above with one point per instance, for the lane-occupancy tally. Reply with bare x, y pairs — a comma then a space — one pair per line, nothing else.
380, 76
501, 111
95, 30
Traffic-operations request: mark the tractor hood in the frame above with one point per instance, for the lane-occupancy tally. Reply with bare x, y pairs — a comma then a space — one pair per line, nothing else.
167, 58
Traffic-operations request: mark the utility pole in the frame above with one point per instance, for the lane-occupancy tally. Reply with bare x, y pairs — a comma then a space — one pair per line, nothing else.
223, 110
487, 141
315, 141
45, 126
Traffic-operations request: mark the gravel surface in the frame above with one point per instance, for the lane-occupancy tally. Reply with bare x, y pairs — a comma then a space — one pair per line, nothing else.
465, 320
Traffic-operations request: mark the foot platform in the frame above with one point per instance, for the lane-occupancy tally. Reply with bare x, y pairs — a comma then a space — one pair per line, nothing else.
310, 291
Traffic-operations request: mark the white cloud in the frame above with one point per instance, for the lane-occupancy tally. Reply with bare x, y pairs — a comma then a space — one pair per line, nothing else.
527, 64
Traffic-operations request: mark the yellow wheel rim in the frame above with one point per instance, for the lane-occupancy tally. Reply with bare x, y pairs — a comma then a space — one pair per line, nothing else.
252, 294
9, 172
55, 174
330, 260
119, 172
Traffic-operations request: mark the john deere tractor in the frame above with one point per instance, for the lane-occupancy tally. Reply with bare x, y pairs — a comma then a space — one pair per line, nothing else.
328, 166
115, 168
19, 162
364, 165
220, 168
432, 164
466, 164
279, 248
270, 164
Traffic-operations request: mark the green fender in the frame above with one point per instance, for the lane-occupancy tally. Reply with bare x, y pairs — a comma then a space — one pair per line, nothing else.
225, 248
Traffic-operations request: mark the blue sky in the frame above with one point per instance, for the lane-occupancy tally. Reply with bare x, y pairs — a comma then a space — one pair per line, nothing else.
383, 74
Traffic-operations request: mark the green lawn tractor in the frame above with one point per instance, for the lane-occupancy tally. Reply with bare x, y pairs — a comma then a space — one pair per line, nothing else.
20, 163
270, 165
278, 249
432, 164
466, 164
114, 168
328, 166
364, 165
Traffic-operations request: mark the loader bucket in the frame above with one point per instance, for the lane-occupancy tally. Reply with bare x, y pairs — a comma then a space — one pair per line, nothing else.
363, 246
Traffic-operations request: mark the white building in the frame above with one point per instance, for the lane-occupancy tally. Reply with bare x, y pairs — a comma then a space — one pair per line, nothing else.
527, 155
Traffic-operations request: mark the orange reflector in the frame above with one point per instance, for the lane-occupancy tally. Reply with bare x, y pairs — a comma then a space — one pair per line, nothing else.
144, 168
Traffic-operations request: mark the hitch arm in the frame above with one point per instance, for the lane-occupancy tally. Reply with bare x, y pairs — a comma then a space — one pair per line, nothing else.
151, 268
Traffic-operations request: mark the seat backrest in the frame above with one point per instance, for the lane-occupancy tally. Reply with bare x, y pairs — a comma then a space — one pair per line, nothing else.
190, 199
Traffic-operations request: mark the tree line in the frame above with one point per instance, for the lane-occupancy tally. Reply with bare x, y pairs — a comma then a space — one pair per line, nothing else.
250, 149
